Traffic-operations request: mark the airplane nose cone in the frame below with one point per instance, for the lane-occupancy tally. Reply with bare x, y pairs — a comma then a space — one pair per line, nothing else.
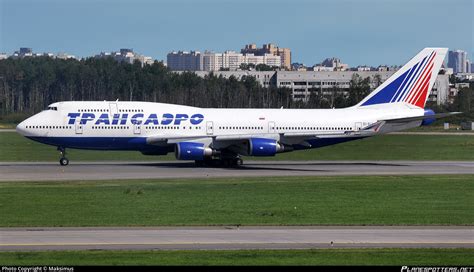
21, 128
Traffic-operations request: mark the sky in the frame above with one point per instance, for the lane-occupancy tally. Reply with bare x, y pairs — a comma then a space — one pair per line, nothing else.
359, 32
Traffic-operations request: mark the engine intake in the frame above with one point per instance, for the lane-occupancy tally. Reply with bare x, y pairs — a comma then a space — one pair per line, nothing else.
263, 147
192, 151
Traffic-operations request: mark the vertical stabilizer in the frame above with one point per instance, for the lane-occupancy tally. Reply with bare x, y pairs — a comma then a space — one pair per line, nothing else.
412, 83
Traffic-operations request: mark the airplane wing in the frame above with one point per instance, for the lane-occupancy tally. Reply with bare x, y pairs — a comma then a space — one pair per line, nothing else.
303, 138
240, 143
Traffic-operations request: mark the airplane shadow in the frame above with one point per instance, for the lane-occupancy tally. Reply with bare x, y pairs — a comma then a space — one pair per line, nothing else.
295, 167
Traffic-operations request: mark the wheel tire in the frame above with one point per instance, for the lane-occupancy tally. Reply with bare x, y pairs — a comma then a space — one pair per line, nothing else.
199, 163
226, 163
63, 161
239, 162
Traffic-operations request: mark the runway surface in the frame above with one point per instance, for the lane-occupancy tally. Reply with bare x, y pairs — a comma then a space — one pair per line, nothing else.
234, 238
45, 171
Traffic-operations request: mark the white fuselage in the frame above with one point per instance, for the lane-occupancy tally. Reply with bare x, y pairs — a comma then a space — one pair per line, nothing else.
202, 134
132, 125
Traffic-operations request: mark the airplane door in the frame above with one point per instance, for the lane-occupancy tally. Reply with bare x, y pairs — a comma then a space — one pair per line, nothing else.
78, 126
358, 126
137, 129
271, 127
113, 109
209, 128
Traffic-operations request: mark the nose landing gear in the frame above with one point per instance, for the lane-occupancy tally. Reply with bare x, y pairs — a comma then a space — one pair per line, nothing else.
63, 161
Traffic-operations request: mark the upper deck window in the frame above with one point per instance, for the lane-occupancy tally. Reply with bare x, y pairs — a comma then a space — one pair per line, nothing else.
53, 108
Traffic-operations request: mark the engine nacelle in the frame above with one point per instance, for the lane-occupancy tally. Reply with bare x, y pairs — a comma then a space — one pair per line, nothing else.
428, 121
192, 151
263, 147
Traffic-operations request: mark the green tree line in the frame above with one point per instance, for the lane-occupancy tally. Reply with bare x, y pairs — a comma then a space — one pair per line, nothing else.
28, 85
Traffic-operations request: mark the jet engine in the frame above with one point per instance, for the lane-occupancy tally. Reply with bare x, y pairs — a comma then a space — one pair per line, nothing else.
192, 151
263, 147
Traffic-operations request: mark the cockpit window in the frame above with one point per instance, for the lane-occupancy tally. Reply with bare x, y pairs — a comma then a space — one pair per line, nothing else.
53, 108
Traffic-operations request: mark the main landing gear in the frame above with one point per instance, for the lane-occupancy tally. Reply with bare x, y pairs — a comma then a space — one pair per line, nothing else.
221, 162
63, 161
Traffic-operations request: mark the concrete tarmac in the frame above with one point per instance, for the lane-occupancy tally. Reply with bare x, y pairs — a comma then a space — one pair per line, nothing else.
234, 238
51, 171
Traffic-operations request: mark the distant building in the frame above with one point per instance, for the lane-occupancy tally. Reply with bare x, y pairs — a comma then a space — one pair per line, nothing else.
472, 67
298, 67
331, 64
458, 61
125, 55
442, 92
3, 56
303, 83
283, 53
23, 52
51, 55
468, 67
362, 68
184, 61
267, 59
232, 60
461, 85
446, 71
321, 68
269, 55
211, 61
28, 52
465, 76
63, 56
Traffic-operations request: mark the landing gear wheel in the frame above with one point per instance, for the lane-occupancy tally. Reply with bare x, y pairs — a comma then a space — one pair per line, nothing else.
239, 162
199, 163
63, 161
227, 163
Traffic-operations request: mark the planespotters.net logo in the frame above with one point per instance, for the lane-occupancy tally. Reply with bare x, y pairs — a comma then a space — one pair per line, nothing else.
436, 269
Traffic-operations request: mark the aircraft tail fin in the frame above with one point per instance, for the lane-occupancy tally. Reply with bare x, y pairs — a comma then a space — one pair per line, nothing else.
412, 83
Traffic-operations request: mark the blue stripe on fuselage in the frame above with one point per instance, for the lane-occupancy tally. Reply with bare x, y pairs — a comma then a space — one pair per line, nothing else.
104, 143
139, 143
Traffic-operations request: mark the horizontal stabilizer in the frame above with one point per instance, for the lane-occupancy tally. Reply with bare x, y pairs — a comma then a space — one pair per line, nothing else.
418, 118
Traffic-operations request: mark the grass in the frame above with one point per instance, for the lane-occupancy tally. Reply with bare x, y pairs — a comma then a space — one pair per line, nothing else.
374, 200
15, 147
396, 257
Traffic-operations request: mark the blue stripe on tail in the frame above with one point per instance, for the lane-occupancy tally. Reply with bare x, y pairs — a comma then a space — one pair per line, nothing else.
386, 94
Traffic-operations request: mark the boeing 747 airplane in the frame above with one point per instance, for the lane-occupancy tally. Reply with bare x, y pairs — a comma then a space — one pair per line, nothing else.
210, 136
